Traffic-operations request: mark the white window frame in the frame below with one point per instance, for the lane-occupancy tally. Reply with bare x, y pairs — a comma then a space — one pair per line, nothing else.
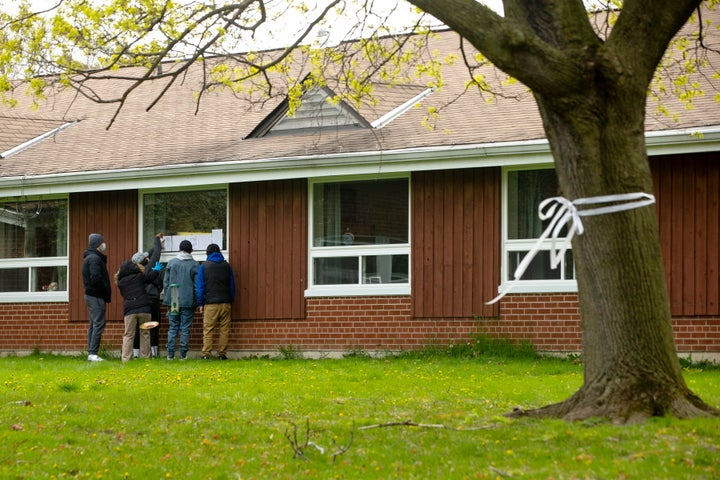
37, 262
359, 251
198, 254
524, 245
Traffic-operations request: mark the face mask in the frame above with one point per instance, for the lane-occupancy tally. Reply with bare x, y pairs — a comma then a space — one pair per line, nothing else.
103, 247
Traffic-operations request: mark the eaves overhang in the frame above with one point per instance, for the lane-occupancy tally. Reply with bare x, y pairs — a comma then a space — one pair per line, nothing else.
529, 152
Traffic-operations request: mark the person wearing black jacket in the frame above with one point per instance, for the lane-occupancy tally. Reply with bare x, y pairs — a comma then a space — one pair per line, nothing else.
132, 279
154, 289
97, 291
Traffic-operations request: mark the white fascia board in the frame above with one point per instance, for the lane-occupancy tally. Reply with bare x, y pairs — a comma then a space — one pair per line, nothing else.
688, 140
530, 152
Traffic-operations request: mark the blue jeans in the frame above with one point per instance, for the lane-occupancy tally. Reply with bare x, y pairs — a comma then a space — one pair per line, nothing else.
180, 322
96, 326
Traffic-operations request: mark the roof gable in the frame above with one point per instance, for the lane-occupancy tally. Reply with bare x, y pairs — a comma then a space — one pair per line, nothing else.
317, 111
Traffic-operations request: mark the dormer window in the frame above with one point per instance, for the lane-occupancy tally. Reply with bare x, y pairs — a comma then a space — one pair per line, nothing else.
317, 111
320, 110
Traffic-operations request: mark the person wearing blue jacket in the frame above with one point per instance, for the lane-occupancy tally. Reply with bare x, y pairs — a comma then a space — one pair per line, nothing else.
180, 273
215, 292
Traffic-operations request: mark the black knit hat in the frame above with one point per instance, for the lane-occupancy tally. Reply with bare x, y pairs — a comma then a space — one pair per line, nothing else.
212, 248
95, 240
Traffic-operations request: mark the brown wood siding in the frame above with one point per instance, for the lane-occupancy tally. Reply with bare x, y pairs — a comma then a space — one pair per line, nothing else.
687, 189
268, 228
455, 242
114, 215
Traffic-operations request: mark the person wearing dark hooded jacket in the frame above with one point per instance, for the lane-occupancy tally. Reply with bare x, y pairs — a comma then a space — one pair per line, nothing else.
132, 279
154, 289
215, 292
97, 291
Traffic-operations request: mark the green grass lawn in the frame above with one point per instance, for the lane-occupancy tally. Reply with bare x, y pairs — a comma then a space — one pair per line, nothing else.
155, 419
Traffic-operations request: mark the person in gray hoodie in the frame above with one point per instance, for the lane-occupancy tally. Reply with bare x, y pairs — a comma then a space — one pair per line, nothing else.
180, 274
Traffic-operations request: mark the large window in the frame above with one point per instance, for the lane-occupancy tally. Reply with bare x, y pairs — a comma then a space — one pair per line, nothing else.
33, 249
199, 216
524, 191
360, 237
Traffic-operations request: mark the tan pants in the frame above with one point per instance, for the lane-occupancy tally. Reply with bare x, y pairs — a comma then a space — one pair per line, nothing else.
216, 315
131, 323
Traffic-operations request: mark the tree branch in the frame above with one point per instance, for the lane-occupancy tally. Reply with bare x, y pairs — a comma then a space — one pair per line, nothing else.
643, 30
513, 46
410, 423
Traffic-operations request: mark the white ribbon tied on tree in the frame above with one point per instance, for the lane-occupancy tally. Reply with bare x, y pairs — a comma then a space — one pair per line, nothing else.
564, 213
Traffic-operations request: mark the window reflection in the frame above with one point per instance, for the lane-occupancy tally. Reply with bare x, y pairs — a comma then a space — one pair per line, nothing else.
34, 235
369, 217
33, 229
360, 213
197, 215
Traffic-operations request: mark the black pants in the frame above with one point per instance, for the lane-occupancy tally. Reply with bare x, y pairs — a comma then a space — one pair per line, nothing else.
154, 332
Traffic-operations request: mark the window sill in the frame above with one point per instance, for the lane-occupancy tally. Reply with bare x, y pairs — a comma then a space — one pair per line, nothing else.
34, 297
357, 290
540, 286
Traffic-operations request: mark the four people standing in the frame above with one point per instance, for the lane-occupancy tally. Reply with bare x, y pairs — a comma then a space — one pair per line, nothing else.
185, 283
215, 288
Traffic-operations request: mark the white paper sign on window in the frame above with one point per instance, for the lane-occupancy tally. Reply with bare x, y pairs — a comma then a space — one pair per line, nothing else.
199, 241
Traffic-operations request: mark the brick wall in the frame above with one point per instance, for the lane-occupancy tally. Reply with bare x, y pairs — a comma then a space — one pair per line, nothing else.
697, 334
551, 322
548, 321
354, 323
44, 326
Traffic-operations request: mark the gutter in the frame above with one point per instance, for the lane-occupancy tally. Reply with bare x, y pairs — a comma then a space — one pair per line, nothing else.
527, 152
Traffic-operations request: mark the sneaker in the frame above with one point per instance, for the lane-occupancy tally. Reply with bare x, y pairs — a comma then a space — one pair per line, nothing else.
170, 357
94, 358
183, 358
205, 357
222, 357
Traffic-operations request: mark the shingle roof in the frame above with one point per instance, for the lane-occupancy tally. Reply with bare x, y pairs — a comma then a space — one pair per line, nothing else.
171, 133
16, 130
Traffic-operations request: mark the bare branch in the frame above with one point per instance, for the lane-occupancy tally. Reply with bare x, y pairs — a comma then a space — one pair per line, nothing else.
297, 447
410, 423
23, 18
703, 35
406, 423
346, 447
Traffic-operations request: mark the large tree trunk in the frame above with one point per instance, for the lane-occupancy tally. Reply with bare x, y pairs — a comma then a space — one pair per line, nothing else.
631, 366
591, 90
